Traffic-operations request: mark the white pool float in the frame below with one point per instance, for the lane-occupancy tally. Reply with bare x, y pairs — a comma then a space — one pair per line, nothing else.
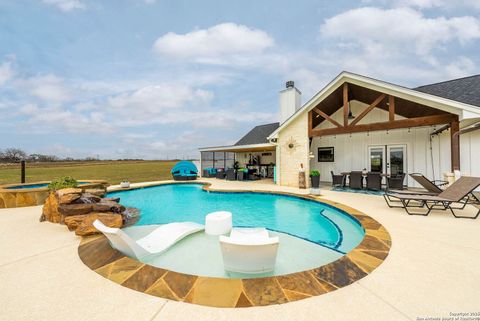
249, 250
218, 223
156, 242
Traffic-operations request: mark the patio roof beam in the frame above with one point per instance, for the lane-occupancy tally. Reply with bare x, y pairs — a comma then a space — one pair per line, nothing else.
391, 108
325, 116
396, 124
455, 144
367, 110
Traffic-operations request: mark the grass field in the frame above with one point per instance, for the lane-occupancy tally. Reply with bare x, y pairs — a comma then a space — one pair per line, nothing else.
112, 171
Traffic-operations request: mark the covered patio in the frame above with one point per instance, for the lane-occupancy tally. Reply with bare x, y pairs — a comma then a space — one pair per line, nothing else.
361, 124
258, 159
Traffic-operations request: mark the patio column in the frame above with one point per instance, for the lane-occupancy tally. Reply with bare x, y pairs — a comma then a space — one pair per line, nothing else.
455, 144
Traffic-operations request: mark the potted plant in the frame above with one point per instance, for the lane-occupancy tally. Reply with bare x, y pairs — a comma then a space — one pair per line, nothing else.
315, 178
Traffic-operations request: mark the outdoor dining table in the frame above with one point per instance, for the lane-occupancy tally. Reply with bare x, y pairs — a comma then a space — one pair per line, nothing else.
365, 174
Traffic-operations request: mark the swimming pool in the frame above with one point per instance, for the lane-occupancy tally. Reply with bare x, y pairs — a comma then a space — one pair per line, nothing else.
311, 233
40, 185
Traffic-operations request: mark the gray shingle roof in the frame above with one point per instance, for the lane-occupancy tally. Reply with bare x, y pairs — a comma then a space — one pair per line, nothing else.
465, 90
258, 135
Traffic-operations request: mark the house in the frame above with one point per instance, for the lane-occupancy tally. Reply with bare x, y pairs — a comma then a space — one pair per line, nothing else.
356, 123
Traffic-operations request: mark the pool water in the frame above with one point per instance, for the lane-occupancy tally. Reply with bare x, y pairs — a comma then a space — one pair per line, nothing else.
312, 221
41, 185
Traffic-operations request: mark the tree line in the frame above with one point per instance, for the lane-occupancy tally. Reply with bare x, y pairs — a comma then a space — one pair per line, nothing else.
16, 155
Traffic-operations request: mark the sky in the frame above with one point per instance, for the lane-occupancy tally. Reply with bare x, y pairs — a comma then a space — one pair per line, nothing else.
158, 79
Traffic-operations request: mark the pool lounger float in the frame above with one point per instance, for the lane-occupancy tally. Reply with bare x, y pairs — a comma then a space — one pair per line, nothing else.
156, 242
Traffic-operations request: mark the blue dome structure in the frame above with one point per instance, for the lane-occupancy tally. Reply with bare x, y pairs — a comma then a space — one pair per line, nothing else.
184, 171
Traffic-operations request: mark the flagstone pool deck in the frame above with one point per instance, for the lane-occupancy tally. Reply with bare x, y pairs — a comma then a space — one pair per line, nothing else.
431, 271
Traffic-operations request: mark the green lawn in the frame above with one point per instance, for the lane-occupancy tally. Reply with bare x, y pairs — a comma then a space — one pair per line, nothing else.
112, 171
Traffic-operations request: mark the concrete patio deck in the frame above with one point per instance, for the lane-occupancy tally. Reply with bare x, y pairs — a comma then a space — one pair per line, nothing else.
432, 270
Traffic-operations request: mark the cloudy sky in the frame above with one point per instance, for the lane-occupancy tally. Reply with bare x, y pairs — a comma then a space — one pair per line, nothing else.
156, 79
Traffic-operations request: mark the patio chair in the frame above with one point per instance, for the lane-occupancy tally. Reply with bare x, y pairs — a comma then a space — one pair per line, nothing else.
395, 182
356, 180
337, 180
231, 175
220, 173
456, 197
158, 241
374, 181
209, 172
241, 175
249, 250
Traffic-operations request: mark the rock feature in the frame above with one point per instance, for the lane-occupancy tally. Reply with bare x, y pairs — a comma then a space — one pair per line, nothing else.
75, 209
50, 210
78, 210
83, 224
68, 198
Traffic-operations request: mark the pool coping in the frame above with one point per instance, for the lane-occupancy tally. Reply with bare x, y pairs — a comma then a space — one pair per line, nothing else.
5, 187
99, 256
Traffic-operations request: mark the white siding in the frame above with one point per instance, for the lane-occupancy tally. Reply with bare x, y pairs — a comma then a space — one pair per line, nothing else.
351, 151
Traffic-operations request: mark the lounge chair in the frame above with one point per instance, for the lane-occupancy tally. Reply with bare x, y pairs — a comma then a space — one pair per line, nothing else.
431, 188
427, 184
338, 180
356, 180
455, 197
374, 181
184, 171
249, 250
158, 241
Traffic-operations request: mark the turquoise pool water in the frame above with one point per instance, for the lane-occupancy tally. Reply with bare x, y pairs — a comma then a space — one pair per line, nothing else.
36, 185
308, 220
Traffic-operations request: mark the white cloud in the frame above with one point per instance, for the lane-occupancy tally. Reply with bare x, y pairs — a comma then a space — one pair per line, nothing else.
62, 119
66, 5
154, 99
399, 29
49, 88
216, 45
461, 67
427, 4
6, 72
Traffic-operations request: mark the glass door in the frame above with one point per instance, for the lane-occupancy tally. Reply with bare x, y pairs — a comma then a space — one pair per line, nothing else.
376, 159
396, 159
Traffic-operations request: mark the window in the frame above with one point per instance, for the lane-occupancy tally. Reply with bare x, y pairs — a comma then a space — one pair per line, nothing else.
326, 154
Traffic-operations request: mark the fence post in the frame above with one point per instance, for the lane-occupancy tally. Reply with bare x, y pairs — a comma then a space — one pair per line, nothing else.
23, 172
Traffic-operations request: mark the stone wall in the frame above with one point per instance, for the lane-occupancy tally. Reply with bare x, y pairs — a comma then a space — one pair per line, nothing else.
78, 209
11, 198
292, 150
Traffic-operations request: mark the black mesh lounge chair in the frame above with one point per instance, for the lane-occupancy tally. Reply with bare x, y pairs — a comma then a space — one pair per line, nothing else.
374, 181
427, 184
356, 179
395, 182
337, 180
455, 197
231, 175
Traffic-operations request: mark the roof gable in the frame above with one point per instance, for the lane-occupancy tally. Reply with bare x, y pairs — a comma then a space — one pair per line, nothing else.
258, 135
464, 110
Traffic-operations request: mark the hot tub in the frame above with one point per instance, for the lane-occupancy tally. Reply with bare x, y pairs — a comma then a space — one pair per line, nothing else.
31, 194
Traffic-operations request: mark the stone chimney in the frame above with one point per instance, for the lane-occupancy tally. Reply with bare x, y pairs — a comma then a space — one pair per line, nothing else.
290, 101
